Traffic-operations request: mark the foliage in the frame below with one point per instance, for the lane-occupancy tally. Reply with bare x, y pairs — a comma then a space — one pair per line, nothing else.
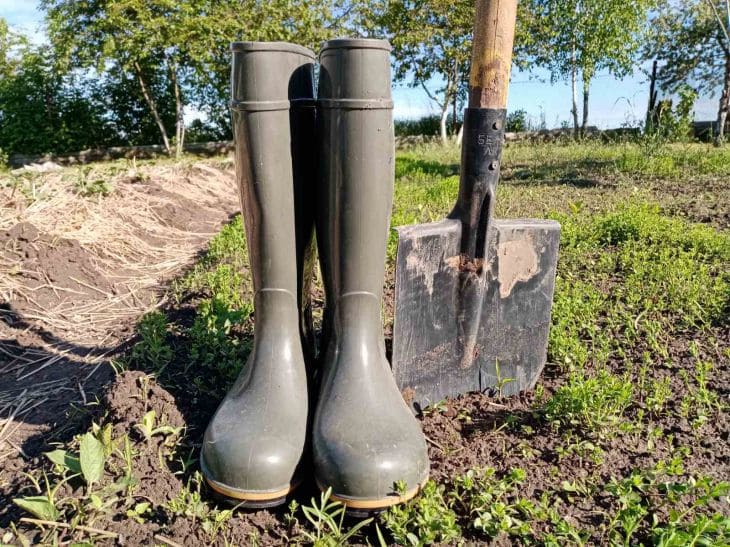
426, 125
674, 124
427, 519
178, 51
327, 519
593, 404
43, 108
690, 38
431, 41
581, 36
152, 352
517, 121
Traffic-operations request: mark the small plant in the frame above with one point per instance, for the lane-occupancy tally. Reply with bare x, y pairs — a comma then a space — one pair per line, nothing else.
493, 504
327, 518
641, 496
427, 519
148, 430
152, 352
88, 186
211, 342
501, 381
594, 404
190, 504
659, 394
42, 506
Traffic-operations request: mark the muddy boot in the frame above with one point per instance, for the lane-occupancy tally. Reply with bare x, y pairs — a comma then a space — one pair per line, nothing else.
253, 445
364, 439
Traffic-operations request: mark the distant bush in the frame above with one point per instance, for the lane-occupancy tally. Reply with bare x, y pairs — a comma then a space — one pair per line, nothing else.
428, 125
673, 123
517, 121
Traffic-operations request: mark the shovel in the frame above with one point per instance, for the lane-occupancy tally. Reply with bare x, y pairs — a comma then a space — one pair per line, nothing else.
473, 294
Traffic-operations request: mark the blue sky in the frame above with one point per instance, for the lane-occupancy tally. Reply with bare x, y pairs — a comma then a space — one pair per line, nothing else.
613, 102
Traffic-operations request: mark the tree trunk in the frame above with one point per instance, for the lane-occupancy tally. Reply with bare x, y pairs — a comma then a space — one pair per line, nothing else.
586, 92
722, 112
651, 107
574, 89
153, 107
444, 117
460, 135
179, 118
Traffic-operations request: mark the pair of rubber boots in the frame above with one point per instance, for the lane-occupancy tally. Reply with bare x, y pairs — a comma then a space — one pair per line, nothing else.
329, 163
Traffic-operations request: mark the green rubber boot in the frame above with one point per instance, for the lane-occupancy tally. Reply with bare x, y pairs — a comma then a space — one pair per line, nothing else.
364, 438
254, 444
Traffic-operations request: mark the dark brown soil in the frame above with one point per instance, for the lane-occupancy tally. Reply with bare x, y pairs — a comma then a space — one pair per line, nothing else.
473, 431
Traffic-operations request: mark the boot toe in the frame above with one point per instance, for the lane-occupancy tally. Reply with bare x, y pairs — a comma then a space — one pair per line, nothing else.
364, 462
249, 463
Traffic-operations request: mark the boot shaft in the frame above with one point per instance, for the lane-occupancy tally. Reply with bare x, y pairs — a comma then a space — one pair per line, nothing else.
356, 164
272, 89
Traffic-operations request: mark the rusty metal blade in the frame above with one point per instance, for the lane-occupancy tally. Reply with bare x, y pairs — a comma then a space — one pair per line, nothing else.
511, 344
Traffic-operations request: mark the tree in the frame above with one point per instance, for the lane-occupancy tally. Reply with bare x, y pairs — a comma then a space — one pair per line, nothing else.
431, 39
182, 43
43, 109
578, 38
690, 39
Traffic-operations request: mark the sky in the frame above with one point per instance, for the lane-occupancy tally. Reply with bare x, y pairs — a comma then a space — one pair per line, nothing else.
613, 103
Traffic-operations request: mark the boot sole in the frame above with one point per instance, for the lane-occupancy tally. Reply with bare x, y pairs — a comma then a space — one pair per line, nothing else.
364, 507
251, 499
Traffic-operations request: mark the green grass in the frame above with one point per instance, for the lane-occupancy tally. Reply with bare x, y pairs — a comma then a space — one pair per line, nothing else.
642, 296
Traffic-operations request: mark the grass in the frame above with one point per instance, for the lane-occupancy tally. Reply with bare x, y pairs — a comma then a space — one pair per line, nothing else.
641, 304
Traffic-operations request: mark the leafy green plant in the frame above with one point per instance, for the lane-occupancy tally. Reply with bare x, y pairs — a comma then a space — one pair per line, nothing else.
327, 519
148, 430
42, 506
212, 344
190, 504
493, 504
642, 495
152, 352
595, 404
89, 186
428, 518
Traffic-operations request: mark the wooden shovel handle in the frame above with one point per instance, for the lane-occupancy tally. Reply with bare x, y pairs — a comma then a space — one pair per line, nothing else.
491, 57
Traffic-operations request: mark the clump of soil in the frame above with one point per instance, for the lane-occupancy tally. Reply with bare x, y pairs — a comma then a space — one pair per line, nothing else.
52, 269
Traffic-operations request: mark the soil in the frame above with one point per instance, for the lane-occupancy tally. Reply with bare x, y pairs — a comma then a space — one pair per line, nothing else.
472, 431
51, 371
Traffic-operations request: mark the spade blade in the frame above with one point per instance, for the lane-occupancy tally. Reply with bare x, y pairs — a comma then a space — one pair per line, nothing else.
511, 341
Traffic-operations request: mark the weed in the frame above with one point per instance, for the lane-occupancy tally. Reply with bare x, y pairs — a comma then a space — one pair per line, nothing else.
211, 343
152, 352
148, 430
699, 402
426, 519
88, 186
642, 496
327, 518
190, 504
493, 504
593, 404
